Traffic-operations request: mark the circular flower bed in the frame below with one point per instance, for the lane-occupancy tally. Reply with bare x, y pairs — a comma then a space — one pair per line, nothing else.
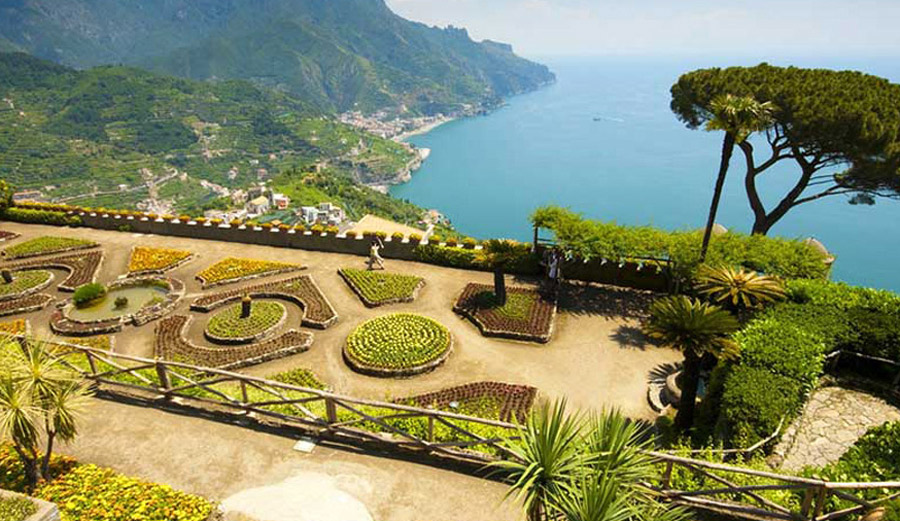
400, 344
228, 326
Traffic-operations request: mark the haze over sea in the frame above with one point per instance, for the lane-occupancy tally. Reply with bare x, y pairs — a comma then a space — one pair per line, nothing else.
637, 165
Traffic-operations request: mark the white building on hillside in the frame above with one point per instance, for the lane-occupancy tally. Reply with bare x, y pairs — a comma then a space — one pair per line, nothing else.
324, 213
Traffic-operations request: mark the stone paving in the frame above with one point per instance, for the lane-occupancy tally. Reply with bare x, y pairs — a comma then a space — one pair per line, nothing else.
832, 421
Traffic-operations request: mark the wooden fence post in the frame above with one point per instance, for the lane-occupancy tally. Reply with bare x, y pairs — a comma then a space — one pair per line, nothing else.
807, 502
667, 475
534, 245
164, 382
91, 362
244, 399
330, 410
820, 502
430, 428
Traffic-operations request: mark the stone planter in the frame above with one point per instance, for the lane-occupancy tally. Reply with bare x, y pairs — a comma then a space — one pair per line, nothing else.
46, 511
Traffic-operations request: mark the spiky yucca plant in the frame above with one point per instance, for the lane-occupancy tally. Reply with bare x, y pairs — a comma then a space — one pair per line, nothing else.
695, 328
738, 289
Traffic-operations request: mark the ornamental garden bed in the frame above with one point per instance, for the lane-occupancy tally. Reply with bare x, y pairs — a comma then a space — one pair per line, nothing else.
45, 246
301, 290
491, 400
61, 325
528, 315
380, 288
24, 304
397, 345
233, 270
8, 236
229, 327
82, 267
147, 261
25, 282
170, 344
19, 326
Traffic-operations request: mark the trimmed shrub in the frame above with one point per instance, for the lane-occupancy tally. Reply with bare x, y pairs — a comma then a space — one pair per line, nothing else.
88, 293
527, 262
27, 215
755, 400
415, 237
784, 349
397, 237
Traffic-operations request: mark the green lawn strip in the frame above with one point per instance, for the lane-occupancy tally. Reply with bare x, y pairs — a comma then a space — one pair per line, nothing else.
23, 281
379, 288
46, 245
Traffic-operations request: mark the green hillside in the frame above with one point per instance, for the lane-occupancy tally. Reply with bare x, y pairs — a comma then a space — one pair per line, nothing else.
78, 135
340, 55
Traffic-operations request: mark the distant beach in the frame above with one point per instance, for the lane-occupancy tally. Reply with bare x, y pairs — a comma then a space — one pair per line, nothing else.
424, 129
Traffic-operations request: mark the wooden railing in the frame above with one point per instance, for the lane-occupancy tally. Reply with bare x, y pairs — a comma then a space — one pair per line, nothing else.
733, 490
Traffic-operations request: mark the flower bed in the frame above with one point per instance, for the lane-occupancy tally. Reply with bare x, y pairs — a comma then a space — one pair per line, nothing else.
16, 508
91, 493
7, 236
24, 304
170, 344
234, 270
528, 315
229, 327
46, 246
18, 326
82, 267
156, 260
491, 400
301, 290
24, 283
61, 325
400, 344
380, 288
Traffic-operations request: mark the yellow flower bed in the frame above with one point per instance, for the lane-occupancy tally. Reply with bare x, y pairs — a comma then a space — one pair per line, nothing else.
155, 259
13, 327
233, 269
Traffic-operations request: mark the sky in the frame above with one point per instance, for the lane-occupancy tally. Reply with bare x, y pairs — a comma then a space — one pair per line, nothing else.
602, 27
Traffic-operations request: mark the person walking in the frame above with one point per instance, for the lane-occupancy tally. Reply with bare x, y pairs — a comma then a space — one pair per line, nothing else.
375, 254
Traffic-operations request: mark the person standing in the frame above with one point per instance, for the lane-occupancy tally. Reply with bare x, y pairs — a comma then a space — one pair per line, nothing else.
375, 254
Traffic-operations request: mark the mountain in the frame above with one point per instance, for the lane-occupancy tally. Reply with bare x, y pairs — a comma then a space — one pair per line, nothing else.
337, 54
119, 137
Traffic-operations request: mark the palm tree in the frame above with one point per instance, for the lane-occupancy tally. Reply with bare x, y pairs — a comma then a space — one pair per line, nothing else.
38, 397
498, 255
546, 457
696, 328
738, 116
738, 289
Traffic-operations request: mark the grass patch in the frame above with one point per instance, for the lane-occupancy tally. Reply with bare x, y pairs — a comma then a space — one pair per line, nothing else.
301, 378
45, 245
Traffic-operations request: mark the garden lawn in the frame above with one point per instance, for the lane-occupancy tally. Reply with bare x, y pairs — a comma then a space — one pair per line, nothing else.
527, 315
46, 245
228, 323
24, 281
380, 288
90, 493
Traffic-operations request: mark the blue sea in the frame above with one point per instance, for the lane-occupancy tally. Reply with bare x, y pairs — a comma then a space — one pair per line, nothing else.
603, 141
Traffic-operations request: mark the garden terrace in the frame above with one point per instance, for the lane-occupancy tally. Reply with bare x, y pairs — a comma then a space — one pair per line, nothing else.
146, 261
45, 246
492, 400
170, 344
230, 327
301, 290
233, 270
25, 282
380, 288
400, 344
82, 267
24, 304
7, 236
527, 315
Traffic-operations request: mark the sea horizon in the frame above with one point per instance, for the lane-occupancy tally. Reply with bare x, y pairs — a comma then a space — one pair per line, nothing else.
602, 141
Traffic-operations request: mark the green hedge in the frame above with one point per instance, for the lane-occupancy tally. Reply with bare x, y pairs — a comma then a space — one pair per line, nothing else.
782, 353
88, 293
27, 215
595, 239
527, 262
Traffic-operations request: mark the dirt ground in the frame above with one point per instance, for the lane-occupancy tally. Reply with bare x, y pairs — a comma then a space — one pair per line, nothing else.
597, 357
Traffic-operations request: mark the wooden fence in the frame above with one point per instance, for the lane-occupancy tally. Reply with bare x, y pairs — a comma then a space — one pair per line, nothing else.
726, 489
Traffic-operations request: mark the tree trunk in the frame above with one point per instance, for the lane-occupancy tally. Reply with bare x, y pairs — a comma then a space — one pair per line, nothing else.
690, 380
45, 463
727, 151
30, 466
500, 287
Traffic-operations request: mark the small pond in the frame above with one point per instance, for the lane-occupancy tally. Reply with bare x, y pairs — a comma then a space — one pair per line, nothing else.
105, 308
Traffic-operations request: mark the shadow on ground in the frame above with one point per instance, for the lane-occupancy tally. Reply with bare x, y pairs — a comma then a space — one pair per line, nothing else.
605, 301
